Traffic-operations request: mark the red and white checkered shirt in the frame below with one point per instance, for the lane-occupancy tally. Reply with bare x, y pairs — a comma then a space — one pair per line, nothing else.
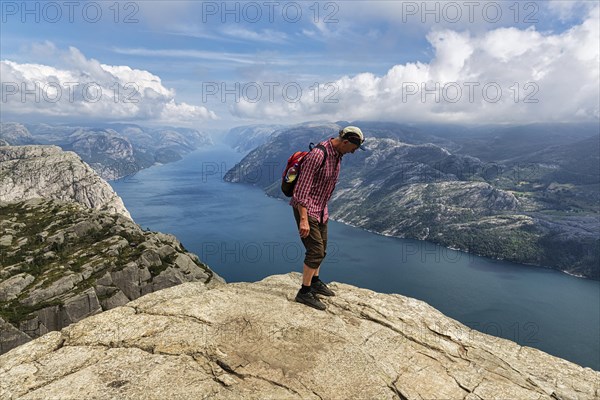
315, 185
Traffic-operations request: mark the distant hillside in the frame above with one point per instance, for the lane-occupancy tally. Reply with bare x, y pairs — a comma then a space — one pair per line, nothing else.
112, 150
245, 138
577, 162
507, 143
524, 211
15, 134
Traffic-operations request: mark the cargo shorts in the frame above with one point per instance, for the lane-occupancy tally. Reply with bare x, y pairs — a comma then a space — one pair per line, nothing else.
316, 241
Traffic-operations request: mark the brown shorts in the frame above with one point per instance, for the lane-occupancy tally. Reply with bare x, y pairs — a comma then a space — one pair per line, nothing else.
316, 241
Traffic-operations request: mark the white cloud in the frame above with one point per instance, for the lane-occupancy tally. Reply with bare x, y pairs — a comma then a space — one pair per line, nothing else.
568, 9
84, 88
542, 76
265, 35
235, 58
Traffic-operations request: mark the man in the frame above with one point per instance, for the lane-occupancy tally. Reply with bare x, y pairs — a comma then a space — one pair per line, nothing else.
311, 194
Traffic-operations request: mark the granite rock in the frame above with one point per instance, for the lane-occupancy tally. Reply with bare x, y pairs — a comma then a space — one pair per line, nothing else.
253, 341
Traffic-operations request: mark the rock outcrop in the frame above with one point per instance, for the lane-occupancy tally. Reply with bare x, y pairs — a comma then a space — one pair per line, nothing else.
62, 262
48, 172
252, 341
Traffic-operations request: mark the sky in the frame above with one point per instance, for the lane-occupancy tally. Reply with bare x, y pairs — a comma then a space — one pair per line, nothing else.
216, 64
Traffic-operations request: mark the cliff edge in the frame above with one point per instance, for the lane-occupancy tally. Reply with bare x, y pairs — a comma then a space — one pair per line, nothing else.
251, 340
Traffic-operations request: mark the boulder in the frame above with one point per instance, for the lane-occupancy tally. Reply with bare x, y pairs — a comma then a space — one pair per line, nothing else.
13, 286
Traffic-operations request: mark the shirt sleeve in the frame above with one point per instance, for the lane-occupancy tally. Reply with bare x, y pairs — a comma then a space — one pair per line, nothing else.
311, 163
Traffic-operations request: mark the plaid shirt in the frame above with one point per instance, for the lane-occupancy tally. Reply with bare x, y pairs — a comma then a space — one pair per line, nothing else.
315, 185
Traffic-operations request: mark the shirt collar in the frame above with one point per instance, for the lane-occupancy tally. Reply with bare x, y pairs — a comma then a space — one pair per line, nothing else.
332, 149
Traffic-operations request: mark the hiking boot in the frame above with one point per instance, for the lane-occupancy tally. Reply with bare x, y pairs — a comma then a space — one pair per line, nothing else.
310, 300
319, 287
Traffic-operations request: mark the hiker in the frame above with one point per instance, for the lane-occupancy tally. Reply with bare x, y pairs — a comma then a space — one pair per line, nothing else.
313, 190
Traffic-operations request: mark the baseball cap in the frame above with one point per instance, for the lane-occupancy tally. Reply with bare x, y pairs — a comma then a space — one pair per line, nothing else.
354, 135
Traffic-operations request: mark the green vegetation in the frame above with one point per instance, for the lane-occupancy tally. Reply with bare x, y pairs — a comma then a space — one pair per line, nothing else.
15, 312
50, 249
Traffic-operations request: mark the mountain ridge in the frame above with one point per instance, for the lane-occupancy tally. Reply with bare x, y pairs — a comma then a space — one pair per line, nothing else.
112, 150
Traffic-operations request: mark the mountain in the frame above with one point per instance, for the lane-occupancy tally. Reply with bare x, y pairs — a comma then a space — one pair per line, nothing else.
69, 249
539, 208
504, 143
48, 172
112, 150
251, 340
164, 144
412, 134
15, 134
577, 162
245, 138
108, 153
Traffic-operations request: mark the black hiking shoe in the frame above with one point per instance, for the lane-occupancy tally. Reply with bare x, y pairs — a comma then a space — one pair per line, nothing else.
319, 287
310, 300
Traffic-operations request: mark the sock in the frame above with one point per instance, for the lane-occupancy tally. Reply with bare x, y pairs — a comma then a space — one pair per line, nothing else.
314, 279
304, 289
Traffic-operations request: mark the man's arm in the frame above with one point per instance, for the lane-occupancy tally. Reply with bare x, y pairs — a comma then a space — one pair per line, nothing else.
304, 227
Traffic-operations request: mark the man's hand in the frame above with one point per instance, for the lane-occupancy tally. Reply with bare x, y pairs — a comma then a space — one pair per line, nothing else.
304, 228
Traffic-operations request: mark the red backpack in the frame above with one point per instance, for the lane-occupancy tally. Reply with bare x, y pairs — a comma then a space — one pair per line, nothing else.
292, 169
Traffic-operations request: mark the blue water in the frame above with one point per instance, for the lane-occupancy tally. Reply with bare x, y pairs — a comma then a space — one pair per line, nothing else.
244, 235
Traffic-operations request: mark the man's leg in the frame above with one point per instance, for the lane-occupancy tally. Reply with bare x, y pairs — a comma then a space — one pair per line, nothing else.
316, 285
305, 294
313, 257
308, 273
323, 231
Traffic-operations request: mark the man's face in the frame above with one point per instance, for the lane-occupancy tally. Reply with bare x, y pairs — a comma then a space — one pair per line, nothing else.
348, 147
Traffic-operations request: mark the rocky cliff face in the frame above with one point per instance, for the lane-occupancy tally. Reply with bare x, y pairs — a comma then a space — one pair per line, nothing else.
48, 172
62, 262
109, 154
251, 340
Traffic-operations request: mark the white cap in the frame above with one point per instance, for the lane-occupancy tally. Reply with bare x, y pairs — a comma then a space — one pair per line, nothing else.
354, 135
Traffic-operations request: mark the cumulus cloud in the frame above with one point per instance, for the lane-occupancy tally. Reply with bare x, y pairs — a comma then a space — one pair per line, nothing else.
502, 75
84, 88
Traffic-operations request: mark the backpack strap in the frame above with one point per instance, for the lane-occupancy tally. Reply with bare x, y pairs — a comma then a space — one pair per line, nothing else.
322, 148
